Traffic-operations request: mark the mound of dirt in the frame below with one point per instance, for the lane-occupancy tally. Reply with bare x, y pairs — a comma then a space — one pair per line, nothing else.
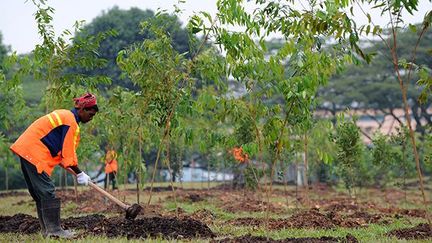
165, 227
160, 188
203, 215
83, 223
419, 213
356, 219
170, 228
421, 231
250, 206
260, 239
192, 196
312, 219
348, 207
19, 223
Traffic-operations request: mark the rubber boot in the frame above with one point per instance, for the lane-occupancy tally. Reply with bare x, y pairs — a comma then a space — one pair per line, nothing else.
51, 218
41, 222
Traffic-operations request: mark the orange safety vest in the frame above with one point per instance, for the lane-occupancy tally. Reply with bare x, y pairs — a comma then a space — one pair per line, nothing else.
239, 155
49, 141
111, 162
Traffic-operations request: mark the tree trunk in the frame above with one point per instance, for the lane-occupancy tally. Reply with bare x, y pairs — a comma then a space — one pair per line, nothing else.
6, 179
139, 166
305, 171
137, 185
403, 89
208, 174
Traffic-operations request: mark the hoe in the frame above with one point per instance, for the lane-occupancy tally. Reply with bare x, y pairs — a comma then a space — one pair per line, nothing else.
131, 211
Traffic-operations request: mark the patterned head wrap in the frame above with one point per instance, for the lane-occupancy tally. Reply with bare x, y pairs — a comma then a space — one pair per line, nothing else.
86, 101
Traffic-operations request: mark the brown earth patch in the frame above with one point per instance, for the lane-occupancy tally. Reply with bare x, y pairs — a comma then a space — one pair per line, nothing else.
202, 215
19, 223
339, 204
168, 228
356, 219
312, 219
84, 222
191, 196
419, 213
421, 231
251, 206
160, 189
273, 224
261, 239
347, 205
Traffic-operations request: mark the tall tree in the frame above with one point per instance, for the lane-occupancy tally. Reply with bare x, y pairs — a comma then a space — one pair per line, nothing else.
373, 87
127, 25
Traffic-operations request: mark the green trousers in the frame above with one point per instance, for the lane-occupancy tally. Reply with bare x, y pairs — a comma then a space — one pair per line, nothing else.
40, 186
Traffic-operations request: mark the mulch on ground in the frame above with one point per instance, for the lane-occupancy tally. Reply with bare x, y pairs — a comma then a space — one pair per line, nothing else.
260, 239
202, 215
418, 213
168, 228
19, 223
419, 232
191, 196
313, 219
165, 227
251, 206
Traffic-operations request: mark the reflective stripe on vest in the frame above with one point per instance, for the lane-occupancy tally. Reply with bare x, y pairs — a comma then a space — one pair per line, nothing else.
76, 137
53, 123
58, 118
51, 120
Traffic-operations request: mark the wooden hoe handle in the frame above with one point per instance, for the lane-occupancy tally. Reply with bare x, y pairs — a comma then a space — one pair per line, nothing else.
102, 191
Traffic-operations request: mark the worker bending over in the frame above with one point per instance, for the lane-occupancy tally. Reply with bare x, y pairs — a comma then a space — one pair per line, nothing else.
49, 141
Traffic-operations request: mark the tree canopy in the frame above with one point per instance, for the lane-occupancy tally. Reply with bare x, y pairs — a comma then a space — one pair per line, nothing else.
128, 31
374, 86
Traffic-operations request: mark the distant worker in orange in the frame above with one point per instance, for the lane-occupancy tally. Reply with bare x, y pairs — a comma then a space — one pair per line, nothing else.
239, 155
243, 159
111, 168
49, 141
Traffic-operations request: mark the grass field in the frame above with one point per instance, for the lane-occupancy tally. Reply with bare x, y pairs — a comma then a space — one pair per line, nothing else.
239, 213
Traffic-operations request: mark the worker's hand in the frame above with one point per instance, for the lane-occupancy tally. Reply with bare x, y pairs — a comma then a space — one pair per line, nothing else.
83, 178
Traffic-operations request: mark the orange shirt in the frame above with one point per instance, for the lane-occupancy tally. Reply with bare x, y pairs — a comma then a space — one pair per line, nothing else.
111, 162
49, 141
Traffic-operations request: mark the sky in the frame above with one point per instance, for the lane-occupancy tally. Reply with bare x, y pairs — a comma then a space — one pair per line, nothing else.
19, 30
